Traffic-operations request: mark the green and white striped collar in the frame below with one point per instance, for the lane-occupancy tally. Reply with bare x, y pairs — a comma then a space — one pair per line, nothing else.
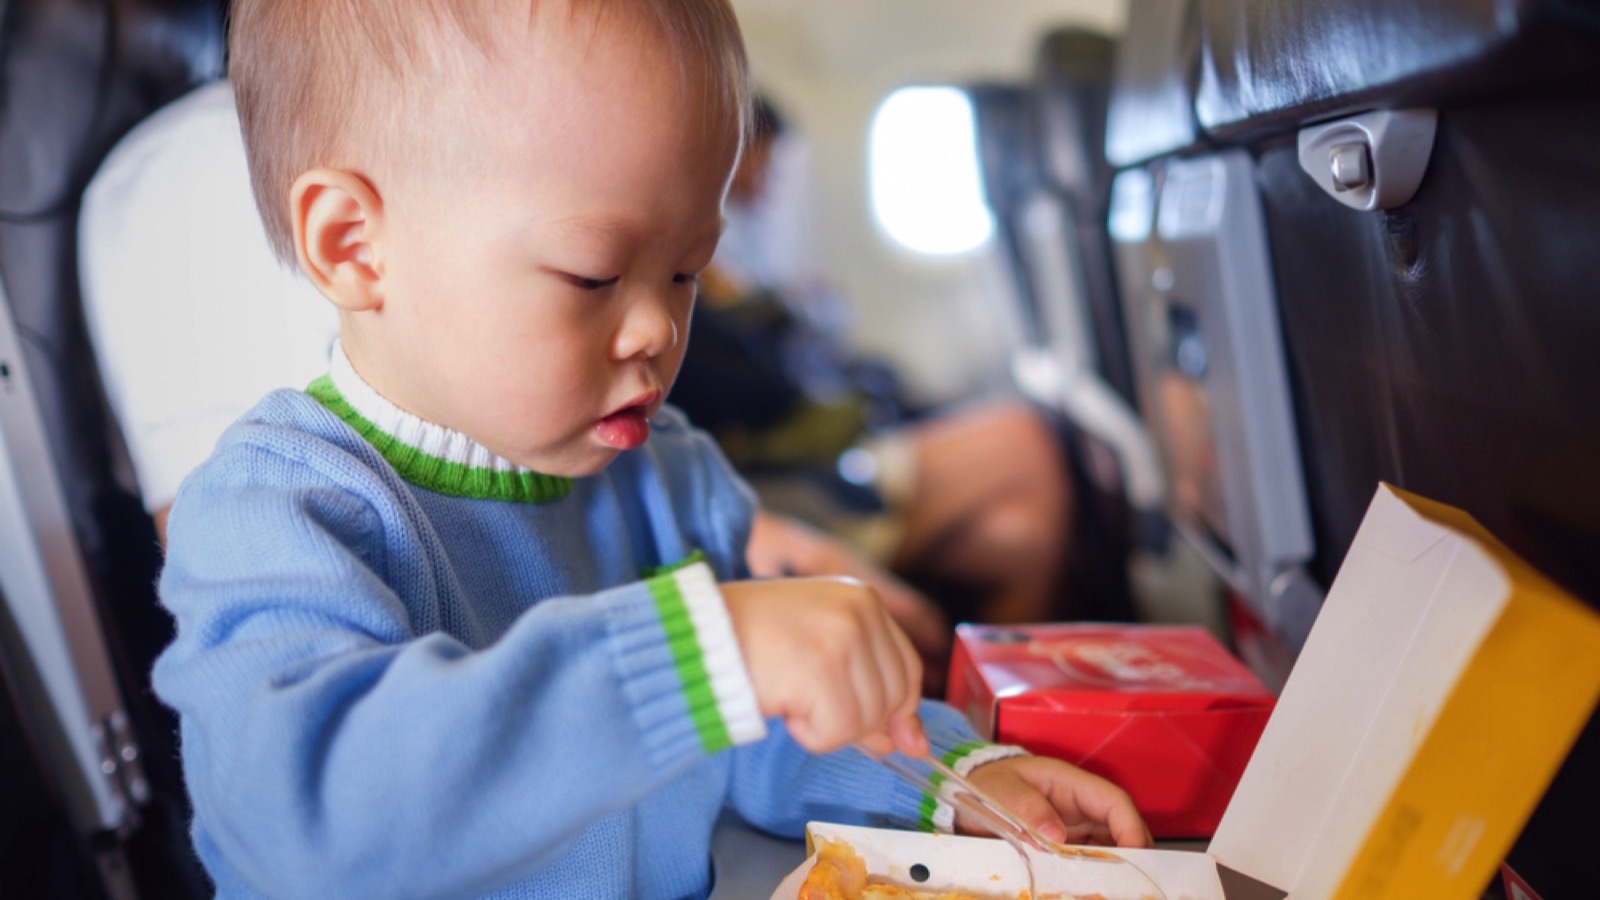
430, 456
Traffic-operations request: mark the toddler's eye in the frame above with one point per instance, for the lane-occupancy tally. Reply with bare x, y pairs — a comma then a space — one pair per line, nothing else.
681, 278
590, 284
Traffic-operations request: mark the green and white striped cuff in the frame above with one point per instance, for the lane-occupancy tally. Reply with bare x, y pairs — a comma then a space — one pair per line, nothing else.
716, 684
936, 813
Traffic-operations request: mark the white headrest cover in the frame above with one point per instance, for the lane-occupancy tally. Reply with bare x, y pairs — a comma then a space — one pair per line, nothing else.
193, 318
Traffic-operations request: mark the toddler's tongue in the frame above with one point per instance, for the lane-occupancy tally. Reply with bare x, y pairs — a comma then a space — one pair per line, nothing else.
624, 429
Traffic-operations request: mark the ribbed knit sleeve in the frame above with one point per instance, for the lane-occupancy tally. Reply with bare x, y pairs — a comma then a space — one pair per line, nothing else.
699, 662
337, 743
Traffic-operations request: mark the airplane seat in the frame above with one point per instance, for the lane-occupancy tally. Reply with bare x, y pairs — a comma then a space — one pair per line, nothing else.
1422, 178
1071, 257
76, 76
1071, 87
1009, 172
1053, 363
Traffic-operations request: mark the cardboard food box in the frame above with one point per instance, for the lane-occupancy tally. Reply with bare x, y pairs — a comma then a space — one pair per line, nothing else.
1383, 773
990, 868
1164, 711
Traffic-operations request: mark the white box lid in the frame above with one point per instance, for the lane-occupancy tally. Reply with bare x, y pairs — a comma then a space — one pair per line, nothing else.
1407, 611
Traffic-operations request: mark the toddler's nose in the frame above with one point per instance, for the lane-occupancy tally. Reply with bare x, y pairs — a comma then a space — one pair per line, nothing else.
648, 330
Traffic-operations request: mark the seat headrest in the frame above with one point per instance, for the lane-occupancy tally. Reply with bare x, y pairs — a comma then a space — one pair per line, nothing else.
178, 279
1277, 66
1151, 110
1072, 83
1007, 148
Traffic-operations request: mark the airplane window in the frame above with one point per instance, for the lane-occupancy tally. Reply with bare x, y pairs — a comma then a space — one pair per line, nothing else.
926, 192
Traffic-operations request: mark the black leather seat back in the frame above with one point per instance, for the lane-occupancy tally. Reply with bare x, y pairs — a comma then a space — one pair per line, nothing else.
1449, 346
1445, 344
1261, 68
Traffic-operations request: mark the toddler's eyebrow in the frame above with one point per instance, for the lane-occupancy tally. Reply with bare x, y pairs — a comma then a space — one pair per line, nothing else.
617, 228
595, 226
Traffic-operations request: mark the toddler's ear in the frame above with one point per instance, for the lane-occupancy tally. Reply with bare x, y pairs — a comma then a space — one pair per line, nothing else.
336, 215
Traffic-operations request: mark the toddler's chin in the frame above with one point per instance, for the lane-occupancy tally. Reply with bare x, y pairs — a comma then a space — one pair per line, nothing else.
591, 462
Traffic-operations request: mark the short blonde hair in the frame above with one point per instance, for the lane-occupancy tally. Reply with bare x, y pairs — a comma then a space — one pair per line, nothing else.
304, 70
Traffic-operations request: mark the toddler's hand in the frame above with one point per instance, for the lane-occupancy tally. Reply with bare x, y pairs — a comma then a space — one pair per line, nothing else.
824, 654
1062, 801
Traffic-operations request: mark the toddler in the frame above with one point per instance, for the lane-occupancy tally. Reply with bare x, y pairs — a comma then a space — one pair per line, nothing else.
466, 616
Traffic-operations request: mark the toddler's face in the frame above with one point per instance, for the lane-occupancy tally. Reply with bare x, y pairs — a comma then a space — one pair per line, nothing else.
538, 263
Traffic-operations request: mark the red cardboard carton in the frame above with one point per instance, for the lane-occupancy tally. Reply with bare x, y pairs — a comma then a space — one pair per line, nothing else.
1164, 711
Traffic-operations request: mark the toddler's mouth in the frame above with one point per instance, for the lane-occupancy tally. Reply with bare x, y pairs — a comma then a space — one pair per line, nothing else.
628, 427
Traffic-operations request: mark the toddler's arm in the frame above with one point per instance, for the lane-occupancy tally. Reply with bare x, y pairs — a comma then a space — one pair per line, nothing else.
337, 743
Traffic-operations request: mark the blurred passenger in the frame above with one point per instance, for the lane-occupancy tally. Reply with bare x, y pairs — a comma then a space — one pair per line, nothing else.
972, 503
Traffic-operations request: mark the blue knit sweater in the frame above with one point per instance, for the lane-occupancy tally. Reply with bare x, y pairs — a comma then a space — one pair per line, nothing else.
499, 684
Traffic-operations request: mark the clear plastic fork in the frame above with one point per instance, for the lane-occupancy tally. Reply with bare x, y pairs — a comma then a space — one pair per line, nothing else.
937, 779
942, 781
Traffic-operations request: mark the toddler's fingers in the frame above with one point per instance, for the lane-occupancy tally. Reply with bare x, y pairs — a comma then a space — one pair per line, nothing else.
874, 699
1133, 834
910, 659
1102, 801
799, 730
1036, 809
905, 726
899, 674
1127, 827
829, 723
1090, 833
906, 666
879, 742
906, 735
